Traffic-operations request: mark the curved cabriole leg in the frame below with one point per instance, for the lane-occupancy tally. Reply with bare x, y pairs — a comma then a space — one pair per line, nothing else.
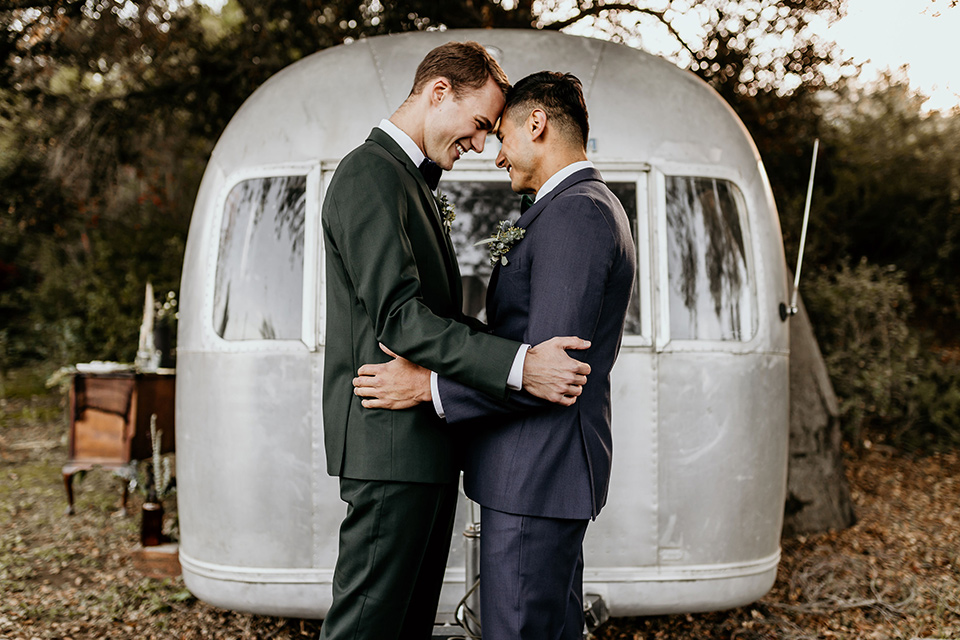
68, 483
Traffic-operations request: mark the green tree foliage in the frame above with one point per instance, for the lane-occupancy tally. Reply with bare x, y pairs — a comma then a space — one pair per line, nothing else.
892, 195
97, 178
111, 107
889, 194
888, 384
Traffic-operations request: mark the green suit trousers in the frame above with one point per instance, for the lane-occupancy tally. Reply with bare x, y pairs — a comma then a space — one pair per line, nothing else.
394, 543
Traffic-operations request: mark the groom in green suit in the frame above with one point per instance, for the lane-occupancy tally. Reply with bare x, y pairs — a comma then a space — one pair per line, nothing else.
392, 282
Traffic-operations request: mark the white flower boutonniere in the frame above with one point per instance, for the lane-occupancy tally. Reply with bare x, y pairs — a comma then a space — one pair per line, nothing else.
447, 212
500, 243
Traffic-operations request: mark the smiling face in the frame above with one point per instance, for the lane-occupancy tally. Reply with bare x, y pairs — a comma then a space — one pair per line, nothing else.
517, 153
458, 124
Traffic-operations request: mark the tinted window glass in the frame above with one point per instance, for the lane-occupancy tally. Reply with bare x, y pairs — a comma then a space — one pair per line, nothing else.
711, 296
259, 286
480, 207
626, 192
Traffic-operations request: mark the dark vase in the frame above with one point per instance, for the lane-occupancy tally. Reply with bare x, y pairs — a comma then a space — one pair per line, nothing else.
163, 342
151, 525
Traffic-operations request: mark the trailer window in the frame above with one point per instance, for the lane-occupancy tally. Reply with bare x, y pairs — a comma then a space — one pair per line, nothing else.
259, 286
711, 296
480, 207
626, 192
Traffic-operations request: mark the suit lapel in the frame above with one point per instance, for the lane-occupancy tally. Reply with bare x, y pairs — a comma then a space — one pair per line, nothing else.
491, 297
527, 219
537, 207
381, 138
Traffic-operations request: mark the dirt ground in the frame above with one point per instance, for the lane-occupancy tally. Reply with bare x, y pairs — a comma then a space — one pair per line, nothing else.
893, 575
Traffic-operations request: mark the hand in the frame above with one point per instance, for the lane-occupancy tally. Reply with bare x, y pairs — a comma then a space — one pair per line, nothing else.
549, 373
398, 384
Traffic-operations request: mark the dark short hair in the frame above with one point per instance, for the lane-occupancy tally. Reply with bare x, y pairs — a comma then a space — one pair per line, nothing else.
560, 95
466, 65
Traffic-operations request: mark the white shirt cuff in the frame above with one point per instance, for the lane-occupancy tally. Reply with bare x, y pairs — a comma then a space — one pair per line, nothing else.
515, 379
435, 392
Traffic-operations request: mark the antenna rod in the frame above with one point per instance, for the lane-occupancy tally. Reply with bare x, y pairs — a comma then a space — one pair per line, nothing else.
803, 234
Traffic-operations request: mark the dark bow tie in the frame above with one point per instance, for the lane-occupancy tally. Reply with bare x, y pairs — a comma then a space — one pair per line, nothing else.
525, 203
431, 173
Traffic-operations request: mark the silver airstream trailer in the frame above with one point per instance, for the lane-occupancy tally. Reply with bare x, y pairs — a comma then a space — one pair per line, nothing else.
700, 415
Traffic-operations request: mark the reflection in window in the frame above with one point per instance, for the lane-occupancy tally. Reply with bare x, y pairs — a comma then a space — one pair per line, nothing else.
711, 296
259, 286
480, 207
626, 192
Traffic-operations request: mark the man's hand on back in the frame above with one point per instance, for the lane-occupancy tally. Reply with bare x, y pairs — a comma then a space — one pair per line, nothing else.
549, 373
398, 384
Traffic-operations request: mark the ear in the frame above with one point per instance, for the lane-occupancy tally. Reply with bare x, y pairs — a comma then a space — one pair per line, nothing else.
536, 123
439, 88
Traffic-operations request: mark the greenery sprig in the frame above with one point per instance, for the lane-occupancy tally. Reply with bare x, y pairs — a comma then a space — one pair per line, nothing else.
502, 241
447, 211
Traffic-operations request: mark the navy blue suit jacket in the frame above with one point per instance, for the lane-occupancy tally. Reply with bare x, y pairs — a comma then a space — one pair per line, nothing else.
571, 275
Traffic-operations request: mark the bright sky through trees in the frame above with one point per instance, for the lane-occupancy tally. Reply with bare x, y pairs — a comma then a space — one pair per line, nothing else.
886, 34
881, 34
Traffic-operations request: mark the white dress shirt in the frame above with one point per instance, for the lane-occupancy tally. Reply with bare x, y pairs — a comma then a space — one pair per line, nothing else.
554, 181
406, 142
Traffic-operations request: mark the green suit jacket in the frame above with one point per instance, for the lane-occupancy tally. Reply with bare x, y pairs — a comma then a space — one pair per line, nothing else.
392, 277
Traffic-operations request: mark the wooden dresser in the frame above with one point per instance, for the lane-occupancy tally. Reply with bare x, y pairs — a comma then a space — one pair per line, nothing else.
109, 416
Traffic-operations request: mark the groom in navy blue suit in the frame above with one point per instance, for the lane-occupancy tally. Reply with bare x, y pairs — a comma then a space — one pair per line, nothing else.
539, 471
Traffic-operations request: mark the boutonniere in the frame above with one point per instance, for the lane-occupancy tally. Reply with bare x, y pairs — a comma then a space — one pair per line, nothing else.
500, 243
447, 212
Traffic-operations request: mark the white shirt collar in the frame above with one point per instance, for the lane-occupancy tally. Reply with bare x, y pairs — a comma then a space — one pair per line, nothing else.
406, 142
562, 175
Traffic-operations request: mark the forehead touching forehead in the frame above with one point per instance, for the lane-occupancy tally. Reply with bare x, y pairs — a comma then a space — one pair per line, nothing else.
483, 106
509, 120
513, 116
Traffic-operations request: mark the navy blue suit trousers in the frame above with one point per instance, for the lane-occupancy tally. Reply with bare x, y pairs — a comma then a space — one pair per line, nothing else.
531, 577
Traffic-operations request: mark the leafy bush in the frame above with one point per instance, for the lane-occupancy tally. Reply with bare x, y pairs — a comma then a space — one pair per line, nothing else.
937, 396
887, 382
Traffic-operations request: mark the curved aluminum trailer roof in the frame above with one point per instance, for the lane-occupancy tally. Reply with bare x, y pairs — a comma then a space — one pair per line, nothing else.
700, 389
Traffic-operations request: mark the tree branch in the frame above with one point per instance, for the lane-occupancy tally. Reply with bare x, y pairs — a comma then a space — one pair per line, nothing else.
622, 6
593, 10
13, 5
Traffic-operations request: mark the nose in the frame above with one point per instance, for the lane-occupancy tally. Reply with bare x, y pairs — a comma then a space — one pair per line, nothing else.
501, 159
478, 141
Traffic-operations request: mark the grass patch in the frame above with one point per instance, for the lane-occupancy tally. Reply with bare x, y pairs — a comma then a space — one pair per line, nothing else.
24, 383
892, 575
32, 413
